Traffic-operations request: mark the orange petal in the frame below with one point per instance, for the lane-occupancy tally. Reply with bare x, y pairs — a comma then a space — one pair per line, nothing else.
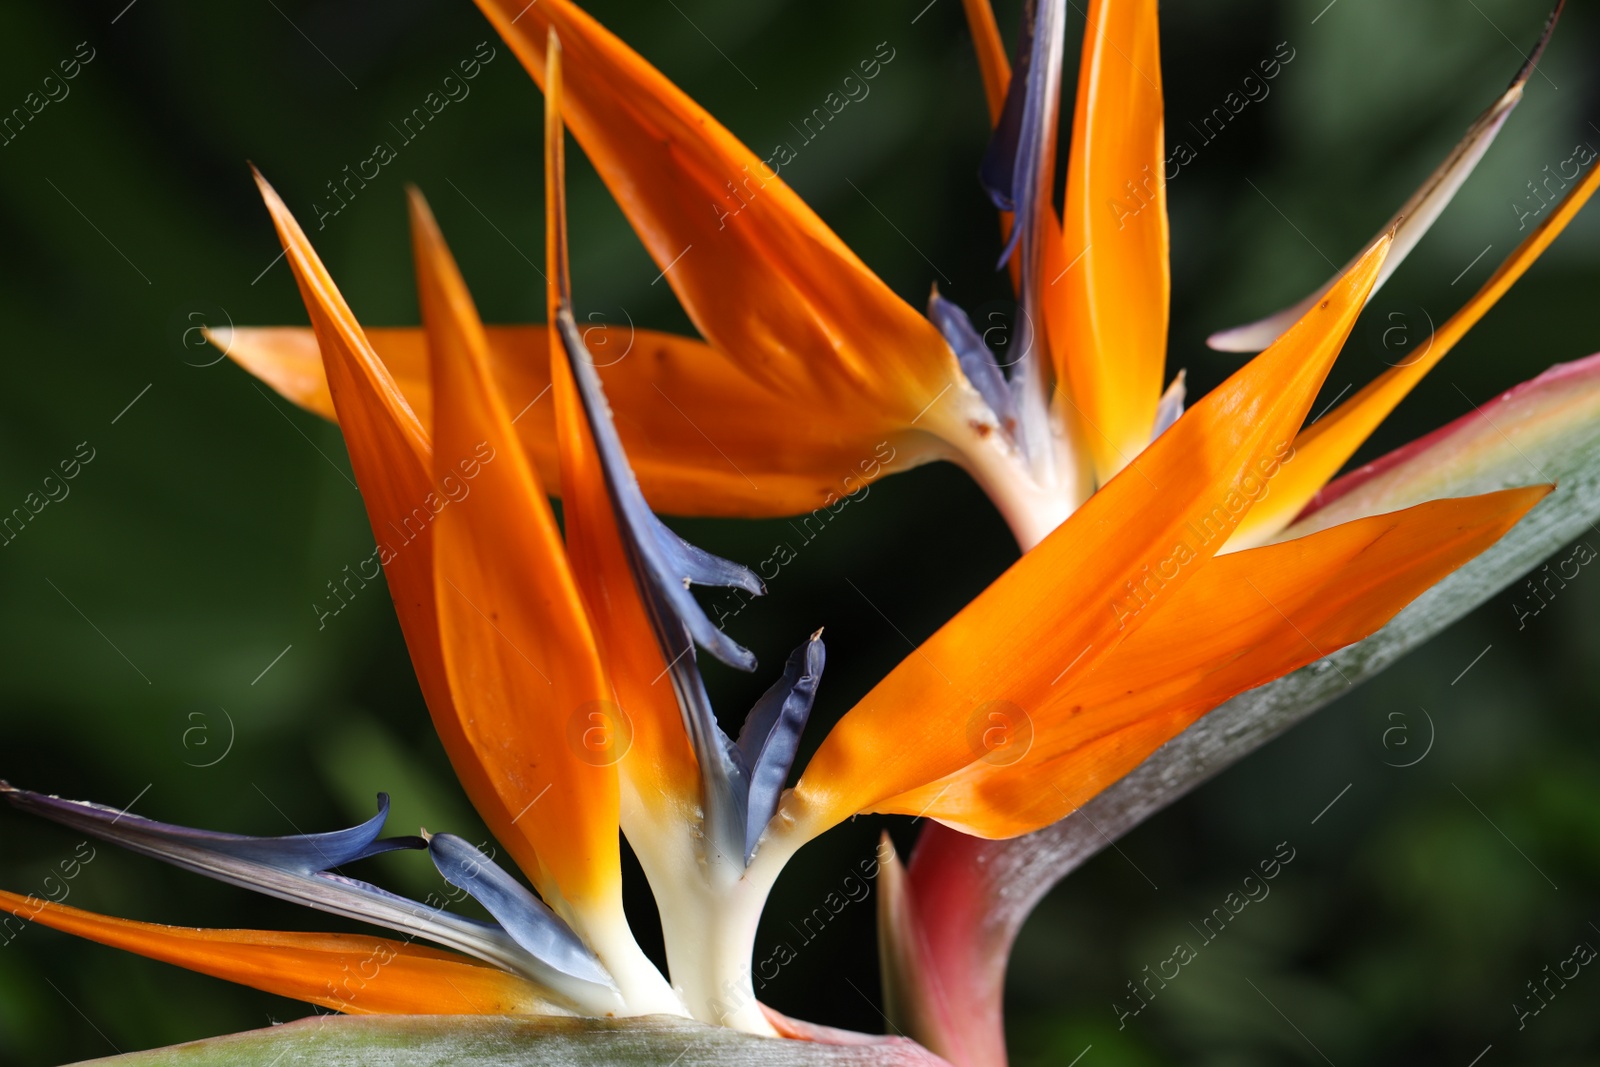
704, 438
1328, 443
392, 456
285, 357
1107, 312
761, 276
1068, 603
659, 763
289, 359
352, 973
1244, 620
518, 648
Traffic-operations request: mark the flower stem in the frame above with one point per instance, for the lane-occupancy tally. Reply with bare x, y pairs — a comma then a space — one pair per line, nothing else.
709, 921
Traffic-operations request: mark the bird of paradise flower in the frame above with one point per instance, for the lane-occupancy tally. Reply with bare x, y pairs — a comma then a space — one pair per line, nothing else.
1126, 619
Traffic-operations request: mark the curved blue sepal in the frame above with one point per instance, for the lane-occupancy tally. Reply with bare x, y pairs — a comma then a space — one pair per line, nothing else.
528, 920
299, 853
771, 736
291, 869
699, 567
976, 361
997, 173
1017, 150
664, 564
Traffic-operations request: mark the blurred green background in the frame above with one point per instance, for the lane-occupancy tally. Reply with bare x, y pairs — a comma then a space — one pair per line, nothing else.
139, 615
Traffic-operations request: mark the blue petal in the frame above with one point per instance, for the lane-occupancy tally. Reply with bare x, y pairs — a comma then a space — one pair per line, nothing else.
664, 565
699, 567
771, 736
977, 362
297, 853
1017, 150
997, 172
724, 775
524, 916
278, 867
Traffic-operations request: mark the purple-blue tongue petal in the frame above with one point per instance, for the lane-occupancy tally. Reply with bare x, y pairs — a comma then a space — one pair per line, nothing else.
976, 361
524, 916
296, 854
291, 869
664, 565
299, 853
771, 736
997, 173
1025, 135
698, 567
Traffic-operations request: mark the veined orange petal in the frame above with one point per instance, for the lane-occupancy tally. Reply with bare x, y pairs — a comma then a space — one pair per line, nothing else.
1107, 312
1068, 603
657, 759
286, 358
993, 63
351, 973
518, 648
1328, 443
1244, 620
704, 438
392, 458
761, 276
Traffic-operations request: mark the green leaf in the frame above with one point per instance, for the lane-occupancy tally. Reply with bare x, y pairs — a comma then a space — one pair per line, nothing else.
514, 1041
1545, 430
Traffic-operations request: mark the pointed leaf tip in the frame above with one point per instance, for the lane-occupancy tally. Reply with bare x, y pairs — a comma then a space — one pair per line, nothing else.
1532, 62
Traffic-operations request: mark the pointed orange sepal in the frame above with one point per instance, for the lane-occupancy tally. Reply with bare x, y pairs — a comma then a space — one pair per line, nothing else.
1117, 562
760, 275
705, 439
520, 653
656, 757
392, 456
1328, 443
351, 973
1106, 305
1247, 619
